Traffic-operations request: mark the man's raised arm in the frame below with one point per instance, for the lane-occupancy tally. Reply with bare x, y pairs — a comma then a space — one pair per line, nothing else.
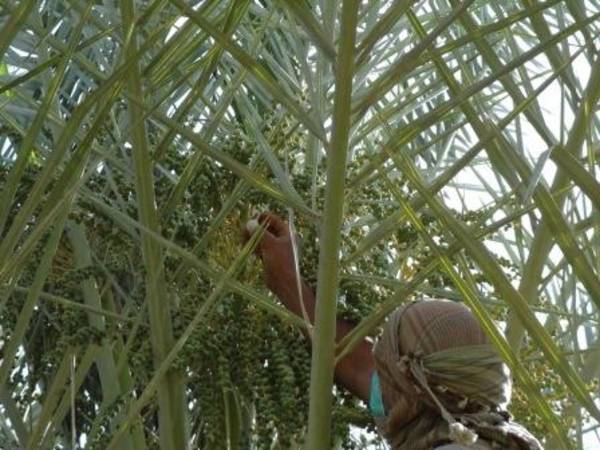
276, 252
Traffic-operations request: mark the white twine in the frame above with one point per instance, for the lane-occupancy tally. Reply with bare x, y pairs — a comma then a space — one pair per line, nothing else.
73, 420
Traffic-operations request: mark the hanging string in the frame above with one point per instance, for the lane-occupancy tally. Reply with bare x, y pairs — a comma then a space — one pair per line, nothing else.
73, 420
295, 250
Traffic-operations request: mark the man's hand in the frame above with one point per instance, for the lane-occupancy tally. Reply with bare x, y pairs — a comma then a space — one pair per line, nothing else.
275, 250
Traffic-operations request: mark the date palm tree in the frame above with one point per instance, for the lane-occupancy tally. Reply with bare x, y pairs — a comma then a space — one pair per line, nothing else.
442, 148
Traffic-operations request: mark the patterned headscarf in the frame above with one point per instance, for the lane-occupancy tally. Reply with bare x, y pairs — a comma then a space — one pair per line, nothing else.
443, 382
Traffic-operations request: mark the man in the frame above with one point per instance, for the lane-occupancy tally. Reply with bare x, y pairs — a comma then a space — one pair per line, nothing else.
432, 381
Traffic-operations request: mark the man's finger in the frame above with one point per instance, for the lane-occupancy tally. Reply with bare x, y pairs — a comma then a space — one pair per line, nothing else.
275, 224
267, 239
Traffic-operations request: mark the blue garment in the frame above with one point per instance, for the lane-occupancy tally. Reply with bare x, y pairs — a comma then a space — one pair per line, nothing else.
375, 398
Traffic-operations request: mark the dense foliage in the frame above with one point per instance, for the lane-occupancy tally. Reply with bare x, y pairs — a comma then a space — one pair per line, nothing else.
243, 366
138, 137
